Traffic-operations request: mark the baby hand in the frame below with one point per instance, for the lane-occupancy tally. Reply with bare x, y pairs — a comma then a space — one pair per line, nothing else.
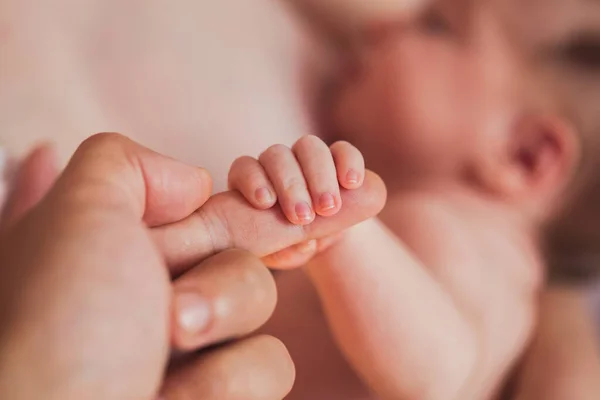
305, 179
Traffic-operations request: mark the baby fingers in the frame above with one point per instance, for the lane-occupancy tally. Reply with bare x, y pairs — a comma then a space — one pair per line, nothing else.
249, 177
305, 179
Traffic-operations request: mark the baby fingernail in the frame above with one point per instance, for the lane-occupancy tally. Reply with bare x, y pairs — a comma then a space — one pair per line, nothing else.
304, 212
352, 177
327, 202
193, 313
264, 196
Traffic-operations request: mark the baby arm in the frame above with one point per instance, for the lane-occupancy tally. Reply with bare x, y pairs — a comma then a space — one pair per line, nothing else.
396, 325
394, 322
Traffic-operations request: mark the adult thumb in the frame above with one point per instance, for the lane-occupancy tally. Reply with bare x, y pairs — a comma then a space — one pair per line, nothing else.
110, 170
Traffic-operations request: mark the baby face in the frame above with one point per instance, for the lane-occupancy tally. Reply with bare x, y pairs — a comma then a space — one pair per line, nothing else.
561, 40
448, 85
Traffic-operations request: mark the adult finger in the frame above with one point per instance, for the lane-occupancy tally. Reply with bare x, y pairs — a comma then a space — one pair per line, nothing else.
86, 247
258, 368
228, 221
300, 254
32, 181
292, 257
230, 295
110, 170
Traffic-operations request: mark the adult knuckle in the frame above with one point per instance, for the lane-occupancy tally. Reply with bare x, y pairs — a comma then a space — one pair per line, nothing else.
113, 151
102, 140
213, 224
225, 229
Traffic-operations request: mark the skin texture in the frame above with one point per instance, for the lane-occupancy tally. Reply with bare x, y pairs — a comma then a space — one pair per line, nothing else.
368, 268
68, 126
307, 176
105, 290
462, 199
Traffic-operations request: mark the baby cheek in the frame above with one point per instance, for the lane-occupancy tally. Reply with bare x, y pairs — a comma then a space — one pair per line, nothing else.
429, 86
401, 106
420, 124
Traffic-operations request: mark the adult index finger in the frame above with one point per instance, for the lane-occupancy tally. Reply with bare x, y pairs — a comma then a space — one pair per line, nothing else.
227, 221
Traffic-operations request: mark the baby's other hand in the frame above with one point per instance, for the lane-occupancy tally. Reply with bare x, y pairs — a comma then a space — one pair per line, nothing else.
305, 179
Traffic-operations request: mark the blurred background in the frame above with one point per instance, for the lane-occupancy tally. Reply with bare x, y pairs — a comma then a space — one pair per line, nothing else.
183, 77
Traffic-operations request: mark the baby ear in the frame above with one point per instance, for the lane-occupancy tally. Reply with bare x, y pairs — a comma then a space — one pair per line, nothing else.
540, 158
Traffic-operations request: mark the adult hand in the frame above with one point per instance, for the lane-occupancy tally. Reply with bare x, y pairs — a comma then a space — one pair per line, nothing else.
88, 307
